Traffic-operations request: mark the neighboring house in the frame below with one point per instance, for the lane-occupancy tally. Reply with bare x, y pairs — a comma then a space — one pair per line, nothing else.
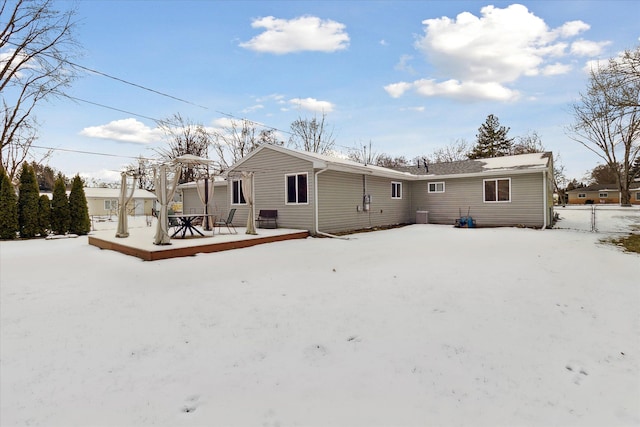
104, 201
326, 194
602, 194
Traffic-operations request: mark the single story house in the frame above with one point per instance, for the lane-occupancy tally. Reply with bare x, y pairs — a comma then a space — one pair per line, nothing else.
325, 194
192, 203
602, 193
104, 201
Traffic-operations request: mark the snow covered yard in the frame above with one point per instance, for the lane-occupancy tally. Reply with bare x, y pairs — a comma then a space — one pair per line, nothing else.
421, 325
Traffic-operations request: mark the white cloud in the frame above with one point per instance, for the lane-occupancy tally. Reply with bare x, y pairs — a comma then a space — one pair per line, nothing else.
555, 69
478, 56
403, 64
253, 108
305, 33
588, 48
396, 90
126, 130
312, 104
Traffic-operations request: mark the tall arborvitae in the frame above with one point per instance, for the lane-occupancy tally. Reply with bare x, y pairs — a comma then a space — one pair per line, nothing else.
59, 207
8, 208
44, 215
78, 209
28, 200
491, 140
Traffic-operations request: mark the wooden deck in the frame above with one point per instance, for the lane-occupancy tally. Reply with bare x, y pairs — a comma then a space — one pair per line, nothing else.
140, 242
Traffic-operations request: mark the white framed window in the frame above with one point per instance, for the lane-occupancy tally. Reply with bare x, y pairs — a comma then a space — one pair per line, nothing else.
110, 205
237, 196
436, 187
603, 195
582, 195
296, 189
396, 190
497, 190
638, 196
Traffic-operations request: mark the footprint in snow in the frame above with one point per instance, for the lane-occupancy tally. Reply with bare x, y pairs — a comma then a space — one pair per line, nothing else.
192, 403
578, 370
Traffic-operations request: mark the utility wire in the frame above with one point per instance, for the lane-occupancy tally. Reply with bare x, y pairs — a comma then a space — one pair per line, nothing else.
118, 79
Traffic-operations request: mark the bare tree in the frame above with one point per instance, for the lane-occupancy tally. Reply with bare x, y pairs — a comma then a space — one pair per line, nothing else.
454, 152
240, 138
608, 127
36, 45
529, 143
312, 135
184, 137
363, 154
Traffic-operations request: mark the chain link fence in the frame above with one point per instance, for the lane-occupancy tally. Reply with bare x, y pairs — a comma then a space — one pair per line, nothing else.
598, 218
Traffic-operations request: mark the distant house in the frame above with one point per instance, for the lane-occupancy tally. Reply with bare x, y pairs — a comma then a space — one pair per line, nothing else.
326, 194
104, 201
602, 194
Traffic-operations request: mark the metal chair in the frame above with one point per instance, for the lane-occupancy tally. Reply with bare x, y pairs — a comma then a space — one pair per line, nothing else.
226, 222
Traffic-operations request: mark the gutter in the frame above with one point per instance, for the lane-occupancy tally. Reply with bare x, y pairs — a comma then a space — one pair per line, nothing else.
544, 197
315, 196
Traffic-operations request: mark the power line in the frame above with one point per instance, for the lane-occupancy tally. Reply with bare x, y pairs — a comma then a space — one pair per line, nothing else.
94, 153
118, 79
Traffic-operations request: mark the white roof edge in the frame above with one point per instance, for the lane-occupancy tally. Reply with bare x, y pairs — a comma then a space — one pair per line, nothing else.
490, 172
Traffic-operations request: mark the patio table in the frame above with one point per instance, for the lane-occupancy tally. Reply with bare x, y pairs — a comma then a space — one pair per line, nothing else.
185, 223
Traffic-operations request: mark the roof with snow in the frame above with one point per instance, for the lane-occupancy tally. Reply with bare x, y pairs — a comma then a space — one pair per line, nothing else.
321, 161
523, 162
114, 193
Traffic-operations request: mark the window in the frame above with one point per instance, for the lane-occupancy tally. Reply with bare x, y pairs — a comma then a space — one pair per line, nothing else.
296, 188
582, 195
237, 196
110, 205
396, 190
638, 195
497, 190
436, 187
603, 195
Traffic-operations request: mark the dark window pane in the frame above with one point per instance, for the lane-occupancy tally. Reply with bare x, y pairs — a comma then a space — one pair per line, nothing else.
503, 190
291, 189
302, 188
489, 191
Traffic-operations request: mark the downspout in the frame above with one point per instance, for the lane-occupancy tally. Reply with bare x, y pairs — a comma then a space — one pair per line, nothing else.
315, 188
544, 195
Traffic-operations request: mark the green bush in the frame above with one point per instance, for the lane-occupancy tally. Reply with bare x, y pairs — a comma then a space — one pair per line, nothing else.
78, 209
28, 201
44, 215
8, 208
60, 217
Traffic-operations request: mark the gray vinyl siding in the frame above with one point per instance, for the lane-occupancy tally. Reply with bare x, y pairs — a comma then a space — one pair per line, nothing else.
270, 169
340, 201
464, 195
191, 201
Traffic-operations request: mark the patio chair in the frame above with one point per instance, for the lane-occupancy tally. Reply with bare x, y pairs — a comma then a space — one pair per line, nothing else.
226, 222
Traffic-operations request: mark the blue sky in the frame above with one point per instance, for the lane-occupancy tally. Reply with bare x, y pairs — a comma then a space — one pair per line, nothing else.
407, 76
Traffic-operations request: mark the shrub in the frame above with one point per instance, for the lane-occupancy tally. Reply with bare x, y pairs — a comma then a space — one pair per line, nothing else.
28, 201
8, 208
78, 210
44, 215
60, 208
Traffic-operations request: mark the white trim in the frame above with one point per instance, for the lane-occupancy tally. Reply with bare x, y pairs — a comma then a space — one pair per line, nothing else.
436, 187
399, 185
240, 194
582, 195
286, 188
484, 198
600, 194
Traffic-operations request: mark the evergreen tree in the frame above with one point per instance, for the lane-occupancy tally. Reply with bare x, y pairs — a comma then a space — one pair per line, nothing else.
491, 140
44, 215
78, 209
60, 207
28, 202
8, 208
